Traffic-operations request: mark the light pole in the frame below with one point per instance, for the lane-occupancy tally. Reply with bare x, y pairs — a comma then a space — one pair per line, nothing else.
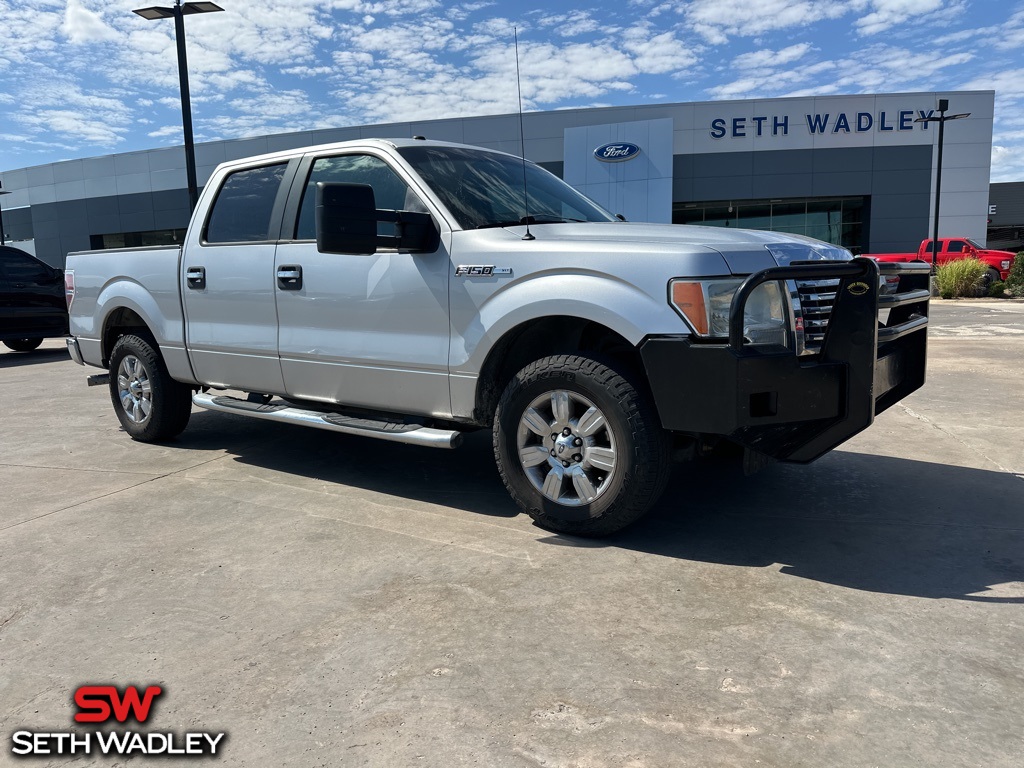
941, 120
3, 237
178, 11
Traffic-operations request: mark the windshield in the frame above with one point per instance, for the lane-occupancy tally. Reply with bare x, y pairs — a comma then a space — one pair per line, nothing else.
975, 244
485, 189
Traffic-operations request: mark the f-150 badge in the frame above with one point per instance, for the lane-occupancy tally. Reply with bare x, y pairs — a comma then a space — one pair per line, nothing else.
482, 270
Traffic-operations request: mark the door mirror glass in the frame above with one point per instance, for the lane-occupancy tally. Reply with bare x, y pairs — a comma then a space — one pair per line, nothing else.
346, 218
347, 222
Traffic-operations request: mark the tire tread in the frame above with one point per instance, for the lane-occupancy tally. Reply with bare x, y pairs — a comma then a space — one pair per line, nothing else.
172, 400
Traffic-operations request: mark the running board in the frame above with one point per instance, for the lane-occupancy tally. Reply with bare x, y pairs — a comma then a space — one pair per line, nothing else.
335, 422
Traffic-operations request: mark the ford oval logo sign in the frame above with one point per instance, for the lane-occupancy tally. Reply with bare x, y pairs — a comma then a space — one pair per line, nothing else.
617, 152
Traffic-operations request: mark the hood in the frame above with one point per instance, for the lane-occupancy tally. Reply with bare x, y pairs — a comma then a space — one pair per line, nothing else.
744, 250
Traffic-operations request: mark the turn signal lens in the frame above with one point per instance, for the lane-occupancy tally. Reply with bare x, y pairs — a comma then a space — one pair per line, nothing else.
688, 298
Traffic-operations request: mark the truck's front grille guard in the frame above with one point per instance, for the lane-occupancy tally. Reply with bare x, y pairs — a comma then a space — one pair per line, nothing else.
813, 289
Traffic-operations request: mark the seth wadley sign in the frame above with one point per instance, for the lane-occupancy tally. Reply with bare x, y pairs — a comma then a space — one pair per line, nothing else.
819, 123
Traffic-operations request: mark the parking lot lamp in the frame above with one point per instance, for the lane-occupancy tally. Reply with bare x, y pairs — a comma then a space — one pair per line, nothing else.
178, 11
941, 120
3, 237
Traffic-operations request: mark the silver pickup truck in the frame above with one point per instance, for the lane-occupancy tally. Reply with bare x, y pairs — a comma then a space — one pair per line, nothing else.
413, 290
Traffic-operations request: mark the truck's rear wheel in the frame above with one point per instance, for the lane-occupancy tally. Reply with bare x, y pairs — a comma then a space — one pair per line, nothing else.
150, 405
579, 448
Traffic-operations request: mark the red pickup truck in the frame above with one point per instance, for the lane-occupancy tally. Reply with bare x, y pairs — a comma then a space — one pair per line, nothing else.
952, 248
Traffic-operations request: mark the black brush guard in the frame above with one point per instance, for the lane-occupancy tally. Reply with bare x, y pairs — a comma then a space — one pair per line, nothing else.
797, 408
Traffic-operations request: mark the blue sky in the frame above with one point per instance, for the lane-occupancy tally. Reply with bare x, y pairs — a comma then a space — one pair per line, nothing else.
88, 77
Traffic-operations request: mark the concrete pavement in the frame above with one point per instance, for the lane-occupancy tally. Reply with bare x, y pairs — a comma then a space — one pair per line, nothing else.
336, 601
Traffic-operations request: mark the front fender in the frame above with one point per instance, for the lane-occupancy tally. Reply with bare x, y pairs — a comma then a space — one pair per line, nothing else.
627, 309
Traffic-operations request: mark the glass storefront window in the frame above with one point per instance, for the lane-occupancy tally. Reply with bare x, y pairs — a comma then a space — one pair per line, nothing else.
837, 220
137, 239
720, 216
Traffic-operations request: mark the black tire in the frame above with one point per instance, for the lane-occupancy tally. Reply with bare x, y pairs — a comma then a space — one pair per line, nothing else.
991, 276
150, 405
630, 444
23, 345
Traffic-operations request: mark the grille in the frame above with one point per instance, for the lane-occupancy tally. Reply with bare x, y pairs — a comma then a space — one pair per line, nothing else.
816, 300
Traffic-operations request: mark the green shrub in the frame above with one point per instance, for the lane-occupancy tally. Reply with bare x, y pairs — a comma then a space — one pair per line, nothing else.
1015, 280
960, 278
997, 288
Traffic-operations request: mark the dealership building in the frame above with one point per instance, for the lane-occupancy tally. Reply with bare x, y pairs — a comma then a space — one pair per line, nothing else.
853, 170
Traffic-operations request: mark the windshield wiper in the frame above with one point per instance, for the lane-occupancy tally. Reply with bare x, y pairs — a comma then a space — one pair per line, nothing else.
528, 220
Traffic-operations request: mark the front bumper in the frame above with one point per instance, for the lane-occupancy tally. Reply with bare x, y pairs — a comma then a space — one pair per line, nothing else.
794, 408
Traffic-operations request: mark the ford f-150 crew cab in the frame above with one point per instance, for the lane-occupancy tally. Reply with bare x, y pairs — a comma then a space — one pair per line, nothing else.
412, 291
951, 249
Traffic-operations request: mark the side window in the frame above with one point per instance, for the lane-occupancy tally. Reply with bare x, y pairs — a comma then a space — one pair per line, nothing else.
24, 269
957, 246
241, 212
389, 191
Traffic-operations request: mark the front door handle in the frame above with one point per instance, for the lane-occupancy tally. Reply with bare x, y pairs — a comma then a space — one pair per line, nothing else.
289, 278
196, 277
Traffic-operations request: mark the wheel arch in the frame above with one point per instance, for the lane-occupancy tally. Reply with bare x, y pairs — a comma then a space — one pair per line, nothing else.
544, 337
119, 322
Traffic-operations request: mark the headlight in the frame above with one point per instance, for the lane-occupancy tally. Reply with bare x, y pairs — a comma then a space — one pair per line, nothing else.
704, 304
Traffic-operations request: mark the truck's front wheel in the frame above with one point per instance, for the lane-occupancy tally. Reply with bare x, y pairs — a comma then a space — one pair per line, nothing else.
991, 276
150, 405
579, 447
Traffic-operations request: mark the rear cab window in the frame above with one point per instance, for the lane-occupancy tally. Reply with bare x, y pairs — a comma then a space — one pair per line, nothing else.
243, 210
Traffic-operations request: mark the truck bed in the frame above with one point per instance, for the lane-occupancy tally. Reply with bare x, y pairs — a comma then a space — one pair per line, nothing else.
144, 281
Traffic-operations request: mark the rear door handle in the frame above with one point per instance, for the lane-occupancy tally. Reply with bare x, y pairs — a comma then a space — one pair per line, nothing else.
196, 277
289, 278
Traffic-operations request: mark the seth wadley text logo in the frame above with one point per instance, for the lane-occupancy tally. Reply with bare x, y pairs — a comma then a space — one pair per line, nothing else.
103, 703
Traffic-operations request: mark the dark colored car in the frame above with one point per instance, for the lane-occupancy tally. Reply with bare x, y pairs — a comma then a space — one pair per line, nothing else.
32, 302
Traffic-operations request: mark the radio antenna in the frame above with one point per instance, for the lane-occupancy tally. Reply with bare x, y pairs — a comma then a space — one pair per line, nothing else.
522, 141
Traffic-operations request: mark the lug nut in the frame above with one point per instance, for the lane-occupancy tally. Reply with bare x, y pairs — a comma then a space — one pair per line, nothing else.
566, 432
578, 441
552, 451
565, 464
554, 435
577, 457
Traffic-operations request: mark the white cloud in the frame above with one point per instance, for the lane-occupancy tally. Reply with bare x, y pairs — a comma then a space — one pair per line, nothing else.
1007, 163
658, 53
570, 24
768, 58
1006, 83
82, 25
715, 20
886, 14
